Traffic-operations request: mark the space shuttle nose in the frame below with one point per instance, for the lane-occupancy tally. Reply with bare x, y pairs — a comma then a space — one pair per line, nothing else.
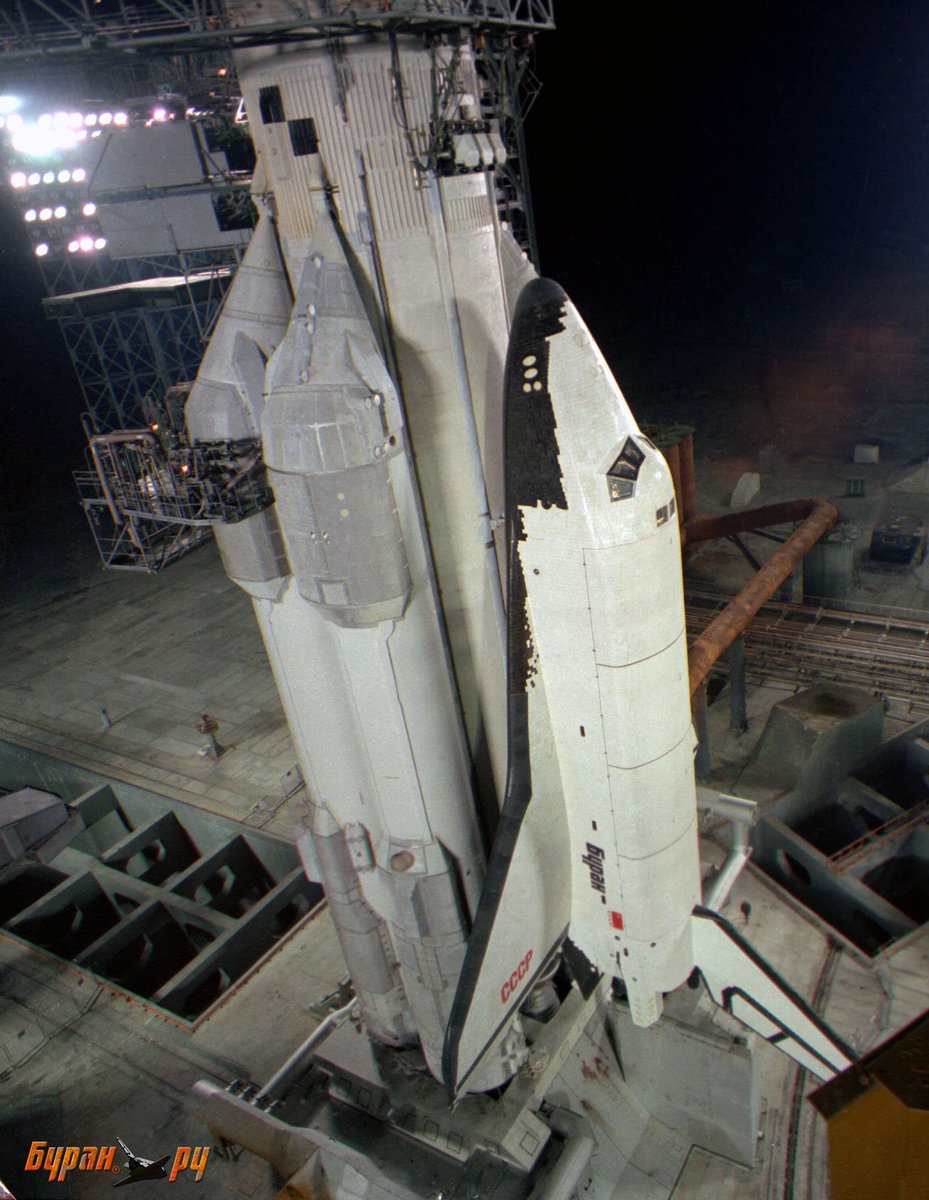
331, 430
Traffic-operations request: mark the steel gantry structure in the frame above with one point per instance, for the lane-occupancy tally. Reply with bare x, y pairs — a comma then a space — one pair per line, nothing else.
148, 340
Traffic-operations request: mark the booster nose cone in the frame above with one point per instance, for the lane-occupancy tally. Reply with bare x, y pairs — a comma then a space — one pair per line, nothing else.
329, 438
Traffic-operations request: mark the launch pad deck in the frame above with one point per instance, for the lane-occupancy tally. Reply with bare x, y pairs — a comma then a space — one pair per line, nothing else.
82, 1064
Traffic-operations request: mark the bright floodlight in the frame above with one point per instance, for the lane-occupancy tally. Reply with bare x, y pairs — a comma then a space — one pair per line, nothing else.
9, 104
160, 114
64, 176
79, 175
30, 214
38, 141
120, 118
91, 119
45, 214
48, 177
74, 246
45, 121
18, 180
60, 212
2, 122
99, 243
106, 118
60, 120
75, 120
41, 250
87, 243
89, 209
34, 178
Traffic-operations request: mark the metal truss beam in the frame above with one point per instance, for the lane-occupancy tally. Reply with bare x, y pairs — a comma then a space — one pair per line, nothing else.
57, 29
48, 29
120, 357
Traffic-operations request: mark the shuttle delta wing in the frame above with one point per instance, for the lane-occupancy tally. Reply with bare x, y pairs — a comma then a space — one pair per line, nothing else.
525, 904
742, 983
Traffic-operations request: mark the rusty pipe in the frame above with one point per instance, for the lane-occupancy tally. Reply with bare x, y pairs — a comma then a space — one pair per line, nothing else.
688, 477
719, 635
705, 529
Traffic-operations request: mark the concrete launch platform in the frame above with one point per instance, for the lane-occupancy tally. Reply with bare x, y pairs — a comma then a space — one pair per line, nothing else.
152, 653
81, 1064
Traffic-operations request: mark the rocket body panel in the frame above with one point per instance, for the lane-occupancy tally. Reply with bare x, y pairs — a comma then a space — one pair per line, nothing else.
356, 640
328, 441
256, 312
253, 555
480, 301
444, 413
327, 860
290, 88
431, 267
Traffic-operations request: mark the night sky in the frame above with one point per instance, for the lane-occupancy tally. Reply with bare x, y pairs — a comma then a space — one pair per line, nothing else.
699, 149
692, 171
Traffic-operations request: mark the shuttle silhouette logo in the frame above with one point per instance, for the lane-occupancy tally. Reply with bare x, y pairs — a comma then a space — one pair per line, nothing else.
60, 1161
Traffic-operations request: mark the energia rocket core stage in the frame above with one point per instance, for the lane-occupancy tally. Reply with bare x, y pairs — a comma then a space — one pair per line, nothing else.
470, 591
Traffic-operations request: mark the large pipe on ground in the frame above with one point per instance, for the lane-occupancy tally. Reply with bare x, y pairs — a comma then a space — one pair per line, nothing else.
705, 529
818, 517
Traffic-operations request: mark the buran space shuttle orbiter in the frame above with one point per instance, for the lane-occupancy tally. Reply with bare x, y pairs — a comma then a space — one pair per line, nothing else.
469, 584
597, 856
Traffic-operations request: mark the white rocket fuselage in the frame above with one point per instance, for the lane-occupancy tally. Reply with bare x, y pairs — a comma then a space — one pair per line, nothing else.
375, 578
426, 250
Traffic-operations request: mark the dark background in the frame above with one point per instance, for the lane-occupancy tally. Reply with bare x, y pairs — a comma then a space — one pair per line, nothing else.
707, 186
689, 157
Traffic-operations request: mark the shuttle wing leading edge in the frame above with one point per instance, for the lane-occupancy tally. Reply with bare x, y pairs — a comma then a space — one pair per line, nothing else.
525, 904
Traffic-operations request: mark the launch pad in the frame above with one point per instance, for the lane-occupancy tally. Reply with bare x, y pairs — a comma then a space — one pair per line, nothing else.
147, 1069
463, 556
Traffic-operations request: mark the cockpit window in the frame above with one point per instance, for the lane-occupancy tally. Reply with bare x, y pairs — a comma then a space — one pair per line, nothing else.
624, 472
